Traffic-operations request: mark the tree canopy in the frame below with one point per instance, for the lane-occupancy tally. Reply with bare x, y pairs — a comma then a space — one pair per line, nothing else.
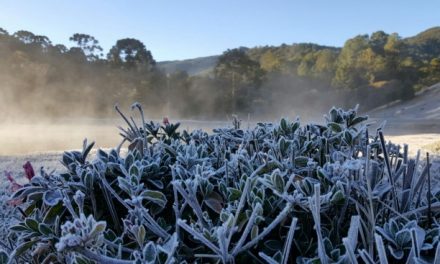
369, 69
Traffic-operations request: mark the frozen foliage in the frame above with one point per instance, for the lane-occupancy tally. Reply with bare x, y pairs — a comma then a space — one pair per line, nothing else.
276, 193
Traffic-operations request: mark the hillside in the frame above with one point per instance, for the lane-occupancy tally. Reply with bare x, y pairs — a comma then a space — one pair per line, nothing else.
197, 66
418, 115
424, 106
425, 36
204, 65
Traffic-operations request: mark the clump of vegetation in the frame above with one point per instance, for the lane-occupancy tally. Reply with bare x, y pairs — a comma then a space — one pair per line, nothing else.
433, 147
276, 193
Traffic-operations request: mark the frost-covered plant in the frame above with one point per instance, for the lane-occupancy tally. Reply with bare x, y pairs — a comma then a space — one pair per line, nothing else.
8, 217
275, 193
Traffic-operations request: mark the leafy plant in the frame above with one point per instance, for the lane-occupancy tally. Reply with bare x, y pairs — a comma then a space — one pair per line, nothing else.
276, 193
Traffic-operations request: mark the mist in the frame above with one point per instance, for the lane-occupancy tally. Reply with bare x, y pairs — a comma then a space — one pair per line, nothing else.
52, 97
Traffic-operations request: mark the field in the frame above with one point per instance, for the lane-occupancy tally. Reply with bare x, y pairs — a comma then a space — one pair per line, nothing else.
43, 144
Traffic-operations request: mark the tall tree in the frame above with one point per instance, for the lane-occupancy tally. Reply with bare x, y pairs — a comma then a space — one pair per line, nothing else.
241, 74
347, 74
3, 32
89, 45
131, 53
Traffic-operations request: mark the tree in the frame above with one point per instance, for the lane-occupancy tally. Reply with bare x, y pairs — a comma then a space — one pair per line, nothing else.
305, 67
60, 48
324, 67
269, 62
89, 45
347, 74
77, 55
378, 40
394, 44
36, 41
241, 73
131, 53
24, 36
3, 32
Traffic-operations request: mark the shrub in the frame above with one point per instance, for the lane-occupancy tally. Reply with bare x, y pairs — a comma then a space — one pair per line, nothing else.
276, 193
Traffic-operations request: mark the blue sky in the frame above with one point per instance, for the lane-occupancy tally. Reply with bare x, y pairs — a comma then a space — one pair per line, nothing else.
182, 29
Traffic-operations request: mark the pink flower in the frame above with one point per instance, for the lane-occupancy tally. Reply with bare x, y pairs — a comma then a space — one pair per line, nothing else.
165, 121
8, 175
28, 170
14, 187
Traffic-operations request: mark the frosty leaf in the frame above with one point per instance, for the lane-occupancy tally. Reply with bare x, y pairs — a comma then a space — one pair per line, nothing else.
98, 229
52, 197
4, 257
155, 197
214, 201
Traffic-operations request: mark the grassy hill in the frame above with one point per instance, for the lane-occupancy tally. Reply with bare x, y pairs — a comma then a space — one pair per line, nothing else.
428, 39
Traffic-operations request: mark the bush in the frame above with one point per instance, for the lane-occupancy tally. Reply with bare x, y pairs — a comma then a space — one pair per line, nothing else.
276, 193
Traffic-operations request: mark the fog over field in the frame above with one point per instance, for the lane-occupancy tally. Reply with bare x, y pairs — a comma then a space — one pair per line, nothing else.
32, 138
414, 122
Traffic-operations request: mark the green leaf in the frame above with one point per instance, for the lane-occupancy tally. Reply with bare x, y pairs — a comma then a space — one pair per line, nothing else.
283, 125
98, 228
348, 138
403, 237
338, 198
88, 180
141, 235
273, 245
155, 197
334, 115
31, 224
134, 170
80, 260
19, 228
335, 127
44, 229
54, 211
358, 120
86, 149
129, 160
295, 126
234, 194
396, 253
124, 185
278, 182
20, 249
254, 232
301, 162
278, 256
150, 252
4, 257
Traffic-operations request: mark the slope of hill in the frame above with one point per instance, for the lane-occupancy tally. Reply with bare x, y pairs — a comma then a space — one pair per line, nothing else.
425, 36
425, 106
426, 40
196, 66
418, 115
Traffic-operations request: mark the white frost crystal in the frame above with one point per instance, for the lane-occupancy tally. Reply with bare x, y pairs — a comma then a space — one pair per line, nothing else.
83, 231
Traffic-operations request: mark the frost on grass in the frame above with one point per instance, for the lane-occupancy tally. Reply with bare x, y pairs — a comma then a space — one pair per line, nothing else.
275, 193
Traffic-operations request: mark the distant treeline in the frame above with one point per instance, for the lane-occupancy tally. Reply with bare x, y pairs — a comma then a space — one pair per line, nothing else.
42, 79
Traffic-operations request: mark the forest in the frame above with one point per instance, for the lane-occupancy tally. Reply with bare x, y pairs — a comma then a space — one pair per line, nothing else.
259, 82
